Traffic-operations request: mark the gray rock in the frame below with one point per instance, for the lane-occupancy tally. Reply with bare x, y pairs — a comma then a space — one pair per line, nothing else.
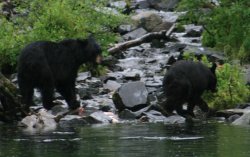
127, 114
83, 76
175, 119
139, 32
123, 29
112, 85
167, 5
118, 4
101, 117
133, 95
148, 20
155, 116
244, 120
142, 4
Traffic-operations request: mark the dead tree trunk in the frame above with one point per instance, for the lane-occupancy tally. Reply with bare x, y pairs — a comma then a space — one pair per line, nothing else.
146, 38
10, 104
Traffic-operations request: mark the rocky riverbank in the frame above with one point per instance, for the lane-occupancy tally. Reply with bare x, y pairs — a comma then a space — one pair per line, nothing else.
131, 90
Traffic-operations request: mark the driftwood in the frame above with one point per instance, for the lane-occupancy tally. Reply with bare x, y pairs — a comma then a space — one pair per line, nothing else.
146, 38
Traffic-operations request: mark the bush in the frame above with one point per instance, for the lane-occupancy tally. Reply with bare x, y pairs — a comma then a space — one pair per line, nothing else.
55, 20
231, 88
226, 27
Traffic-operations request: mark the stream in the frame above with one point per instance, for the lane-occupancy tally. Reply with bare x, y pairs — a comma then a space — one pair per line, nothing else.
132, 139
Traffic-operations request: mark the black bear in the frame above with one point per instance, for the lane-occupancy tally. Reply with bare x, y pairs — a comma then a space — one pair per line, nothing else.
185, 82
48, 65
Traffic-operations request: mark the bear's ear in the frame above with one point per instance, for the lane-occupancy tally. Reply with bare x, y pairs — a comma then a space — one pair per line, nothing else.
213, 68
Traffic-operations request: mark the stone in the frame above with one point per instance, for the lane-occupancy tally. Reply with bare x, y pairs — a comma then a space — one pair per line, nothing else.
123, 29
112, 85
139, 32
132, 95
101, 117
155, 116
166, 5
175, 119
147, 20
244, 120
83, 76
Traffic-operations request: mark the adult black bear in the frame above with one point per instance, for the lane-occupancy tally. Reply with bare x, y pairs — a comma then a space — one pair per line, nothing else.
48, 65
185, 82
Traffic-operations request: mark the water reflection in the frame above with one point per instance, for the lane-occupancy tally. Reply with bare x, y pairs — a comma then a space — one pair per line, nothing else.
123, 140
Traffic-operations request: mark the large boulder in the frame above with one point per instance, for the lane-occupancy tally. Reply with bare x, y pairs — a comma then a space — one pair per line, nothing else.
132, 96
151, 21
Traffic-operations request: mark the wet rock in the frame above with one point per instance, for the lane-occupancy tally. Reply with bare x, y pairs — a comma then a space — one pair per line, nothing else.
100, 117
127, 114
233, 118
133, 96
139, 32
155, 116
193, 31
244, 120
175, 119
43, 121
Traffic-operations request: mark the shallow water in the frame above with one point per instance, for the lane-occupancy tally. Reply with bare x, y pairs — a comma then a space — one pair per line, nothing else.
128, 140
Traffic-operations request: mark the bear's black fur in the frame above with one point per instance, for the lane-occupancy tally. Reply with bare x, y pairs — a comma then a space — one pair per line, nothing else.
48, 65
185, 82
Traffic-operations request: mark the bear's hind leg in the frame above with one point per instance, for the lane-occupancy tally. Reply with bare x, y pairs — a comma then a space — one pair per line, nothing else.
68, 92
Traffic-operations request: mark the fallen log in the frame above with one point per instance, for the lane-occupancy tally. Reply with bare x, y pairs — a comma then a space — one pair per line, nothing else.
146, 38
10, 104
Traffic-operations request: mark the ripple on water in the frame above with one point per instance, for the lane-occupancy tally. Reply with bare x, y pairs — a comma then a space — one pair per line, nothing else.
173, 138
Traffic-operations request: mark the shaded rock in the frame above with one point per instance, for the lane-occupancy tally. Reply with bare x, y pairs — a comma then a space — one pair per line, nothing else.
233, 118
155, 116
58, 110
142, 4
167, 5
133, 96
127, 114
84, 92
247, 74
244, 120
139, 32
193, 31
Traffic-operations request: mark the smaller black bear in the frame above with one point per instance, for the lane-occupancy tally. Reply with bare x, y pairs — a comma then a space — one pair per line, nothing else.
48, 65
185, 82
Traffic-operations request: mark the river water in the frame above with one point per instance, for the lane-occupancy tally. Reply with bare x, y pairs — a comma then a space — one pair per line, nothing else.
211, 139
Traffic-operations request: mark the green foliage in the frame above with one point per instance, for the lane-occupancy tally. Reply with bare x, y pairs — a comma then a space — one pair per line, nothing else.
55, 20
231, 88
225, 25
